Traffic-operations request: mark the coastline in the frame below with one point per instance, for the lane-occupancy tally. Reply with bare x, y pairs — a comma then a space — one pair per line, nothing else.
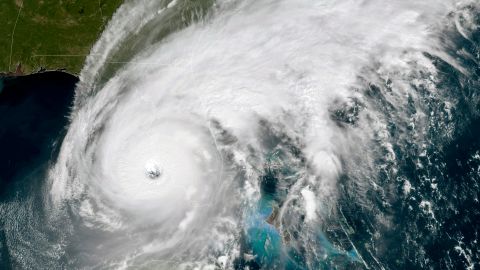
19, 72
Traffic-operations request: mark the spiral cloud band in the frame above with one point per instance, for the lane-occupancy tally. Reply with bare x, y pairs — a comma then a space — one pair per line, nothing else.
215, 134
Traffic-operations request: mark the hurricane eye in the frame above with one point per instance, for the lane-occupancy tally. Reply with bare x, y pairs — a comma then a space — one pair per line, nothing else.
152, 169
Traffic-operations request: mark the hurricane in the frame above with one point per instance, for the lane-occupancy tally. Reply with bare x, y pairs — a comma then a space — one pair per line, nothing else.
267, 134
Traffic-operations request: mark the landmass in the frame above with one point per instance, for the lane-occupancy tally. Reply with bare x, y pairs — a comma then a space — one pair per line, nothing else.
50, 34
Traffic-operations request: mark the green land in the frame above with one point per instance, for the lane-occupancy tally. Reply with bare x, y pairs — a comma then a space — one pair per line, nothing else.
50, 34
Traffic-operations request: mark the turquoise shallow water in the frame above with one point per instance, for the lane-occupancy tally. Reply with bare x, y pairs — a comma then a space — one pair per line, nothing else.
418, 210
33, 110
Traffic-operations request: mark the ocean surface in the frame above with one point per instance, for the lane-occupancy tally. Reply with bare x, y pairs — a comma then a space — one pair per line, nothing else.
34, 113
